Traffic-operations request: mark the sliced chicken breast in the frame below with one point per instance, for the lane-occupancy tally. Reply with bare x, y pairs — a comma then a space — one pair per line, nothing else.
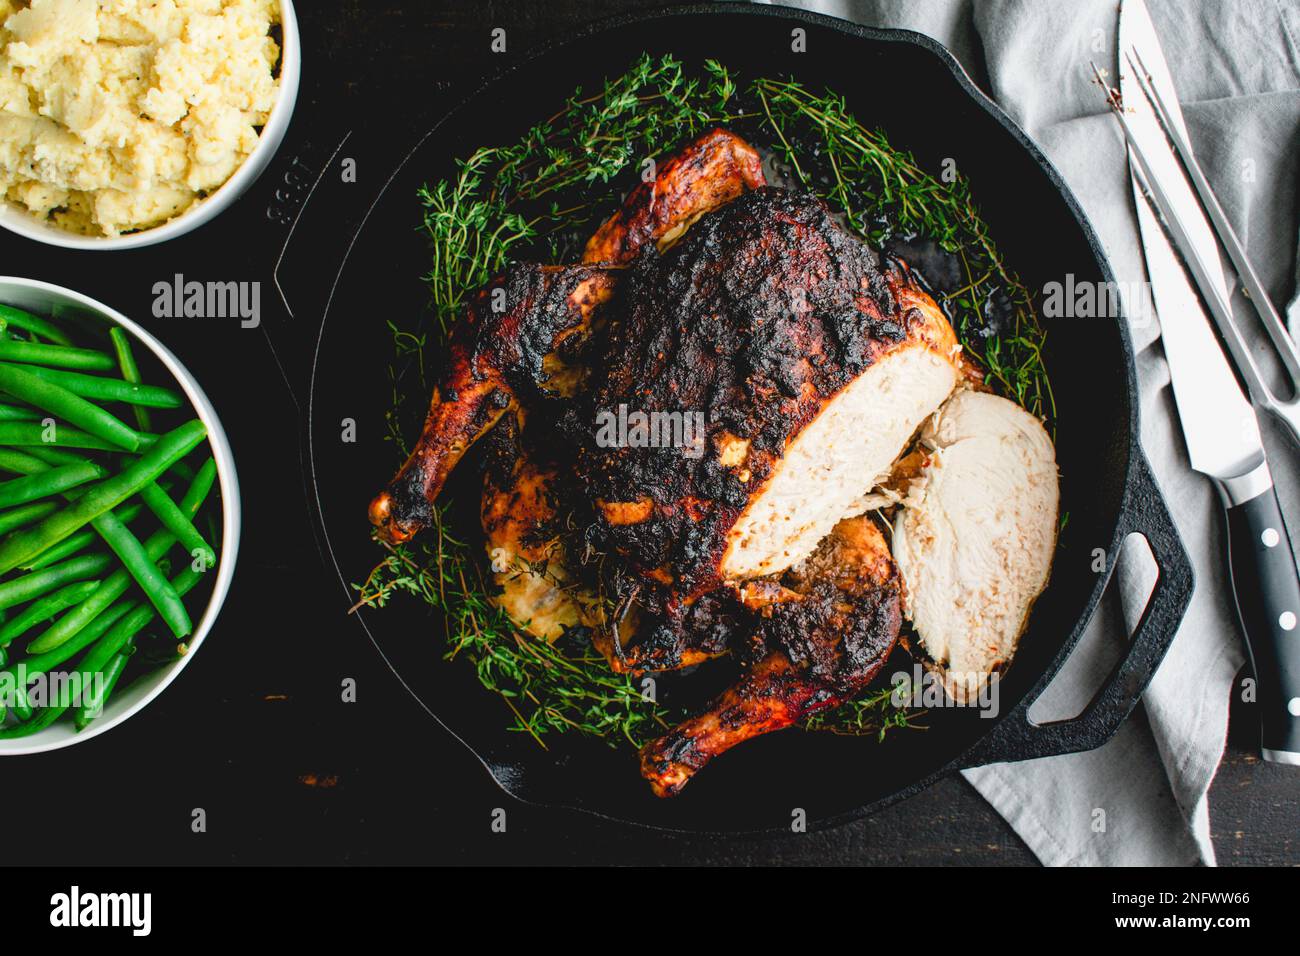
811, 361
975, 545
819, 480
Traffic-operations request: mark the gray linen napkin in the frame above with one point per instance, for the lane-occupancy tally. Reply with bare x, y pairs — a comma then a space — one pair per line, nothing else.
1141, 799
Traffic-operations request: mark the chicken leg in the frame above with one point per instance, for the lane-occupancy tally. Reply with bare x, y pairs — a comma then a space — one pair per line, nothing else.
505, 344
827, 627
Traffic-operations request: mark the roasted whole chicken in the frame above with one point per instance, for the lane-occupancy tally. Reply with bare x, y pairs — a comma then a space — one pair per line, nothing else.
812, 363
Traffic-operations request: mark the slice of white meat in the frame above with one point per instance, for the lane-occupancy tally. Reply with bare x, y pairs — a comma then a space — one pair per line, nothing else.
857, 435
975, 547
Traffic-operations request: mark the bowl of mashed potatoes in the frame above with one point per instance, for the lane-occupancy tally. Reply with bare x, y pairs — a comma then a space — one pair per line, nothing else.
125, 123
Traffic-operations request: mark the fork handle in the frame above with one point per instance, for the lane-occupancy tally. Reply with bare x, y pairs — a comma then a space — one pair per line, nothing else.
1266, 587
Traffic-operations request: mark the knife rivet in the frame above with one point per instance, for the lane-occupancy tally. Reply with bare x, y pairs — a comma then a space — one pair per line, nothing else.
1270, 537
1287, 620
1293, 706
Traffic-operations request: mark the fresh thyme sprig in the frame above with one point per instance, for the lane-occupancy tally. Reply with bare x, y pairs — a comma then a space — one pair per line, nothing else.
502, 196
883, 193
470, 235
547, 689
538, 197
876, 713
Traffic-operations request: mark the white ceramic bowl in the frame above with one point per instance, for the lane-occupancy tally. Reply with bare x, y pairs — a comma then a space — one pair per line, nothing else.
16, 219
42, 298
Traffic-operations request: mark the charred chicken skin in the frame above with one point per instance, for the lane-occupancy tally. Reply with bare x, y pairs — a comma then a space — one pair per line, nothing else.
505, 350
825, 629
525, 331
712, 171
812, 362
524, 528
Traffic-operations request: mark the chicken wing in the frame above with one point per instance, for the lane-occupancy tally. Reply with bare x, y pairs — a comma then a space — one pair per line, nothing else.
527, 327
710, 171
503, 347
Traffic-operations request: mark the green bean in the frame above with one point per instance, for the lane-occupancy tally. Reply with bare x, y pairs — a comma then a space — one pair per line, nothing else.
36, 583
21, 462
65, 549
34, 487
132, 555
40, 460
34, 459
30, 541
64, 404
139, 618
176, 521
53, 456
12, 413
182, 471
179, 469
70, 626
199, 488
137, 562
112, 672
21, 707
32, 323
78, 542
61, 436
107, 389
59, 356
40, 611
32, 725
115, 585
36, 665
130, 372
124, 544
25, 514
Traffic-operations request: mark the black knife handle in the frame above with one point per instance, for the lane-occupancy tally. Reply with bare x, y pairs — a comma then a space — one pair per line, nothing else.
1266, 586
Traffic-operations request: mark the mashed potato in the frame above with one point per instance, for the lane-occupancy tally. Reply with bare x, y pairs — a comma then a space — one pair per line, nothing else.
117, 115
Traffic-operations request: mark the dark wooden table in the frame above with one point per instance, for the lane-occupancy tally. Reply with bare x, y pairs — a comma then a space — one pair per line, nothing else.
255, 733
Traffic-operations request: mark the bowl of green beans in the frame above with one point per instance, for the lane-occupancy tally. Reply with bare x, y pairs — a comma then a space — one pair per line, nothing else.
119, 517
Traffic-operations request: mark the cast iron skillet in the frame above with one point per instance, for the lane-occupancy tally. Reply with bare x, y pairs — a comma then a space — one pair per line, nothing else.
912, 88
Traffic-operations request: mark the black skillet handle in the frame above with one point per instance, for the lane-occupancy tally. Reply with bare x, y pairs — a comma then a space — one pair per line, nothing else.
1016, 737
1266, 587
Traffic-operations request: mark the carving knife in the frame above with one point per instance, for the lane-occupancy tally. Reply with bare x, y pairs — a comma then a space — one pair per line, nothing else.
1218, 423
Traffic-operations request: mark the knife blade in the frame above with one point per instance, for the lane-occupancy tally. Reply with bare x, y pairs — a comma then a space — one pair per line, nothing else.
1218, 423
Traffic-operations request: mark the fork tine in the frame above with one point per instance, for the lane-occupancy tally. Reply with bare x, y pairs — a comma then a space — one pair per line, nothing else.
1259, 299
1112, 94
1217, 305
